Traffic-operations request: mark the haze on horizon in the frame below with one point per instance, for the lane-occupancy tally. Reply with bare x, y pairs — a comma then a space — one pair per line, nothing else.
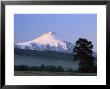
68, 27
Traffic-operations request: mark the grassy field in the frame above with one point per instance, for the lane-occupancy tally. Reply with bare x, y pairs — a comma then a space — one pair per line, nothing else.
47, 73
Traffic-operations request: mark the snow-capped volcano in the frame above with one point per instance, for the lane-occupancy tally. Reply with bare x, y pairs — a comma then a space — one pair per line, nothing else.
47, 41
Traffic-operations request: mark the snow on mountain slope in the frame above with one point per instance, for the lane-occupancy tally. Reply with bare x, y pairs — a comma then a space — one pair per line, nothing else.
47, 41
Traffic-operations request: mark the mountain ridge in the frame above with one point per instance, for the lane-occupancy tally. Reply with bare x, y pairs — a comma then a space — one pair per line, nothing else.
47, 41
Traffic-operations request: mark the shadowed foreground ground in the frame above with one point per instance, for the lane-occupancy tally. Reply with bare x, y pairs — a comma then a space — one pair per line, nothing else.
47, 73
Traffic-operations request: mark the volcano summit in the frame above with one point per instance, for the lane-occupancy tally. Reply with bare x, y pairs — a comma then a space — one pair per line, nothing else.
47, 41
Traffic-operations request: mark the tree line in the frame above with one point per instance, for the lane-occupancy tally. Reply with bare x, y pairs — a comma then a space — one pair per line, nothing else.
42, 67
43, 54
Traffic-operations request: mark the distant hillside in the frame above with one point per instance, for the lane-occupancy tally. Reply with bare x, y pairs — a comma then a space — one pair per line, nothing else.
43, 54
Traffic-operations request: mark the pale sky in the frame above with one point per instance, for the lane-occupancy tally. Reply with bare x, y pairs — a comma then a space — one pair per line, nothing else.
69, 27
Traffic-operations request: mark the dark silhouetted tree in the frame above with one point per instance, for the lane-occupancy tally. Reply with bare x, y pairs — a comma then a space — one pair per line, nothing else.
83, 52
